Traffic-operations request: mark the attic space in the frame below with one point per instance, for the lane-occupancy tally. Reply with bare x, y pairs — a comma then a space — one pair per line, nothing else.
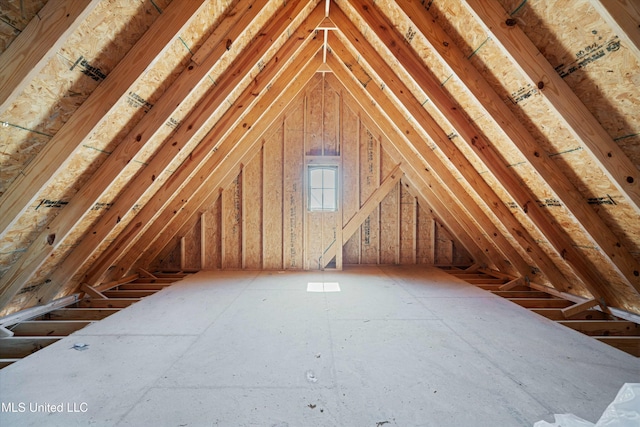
147, 143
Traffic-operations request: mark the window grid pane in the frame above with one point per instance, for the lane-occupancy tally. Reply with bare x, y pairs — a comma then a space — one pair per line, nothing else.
322, 188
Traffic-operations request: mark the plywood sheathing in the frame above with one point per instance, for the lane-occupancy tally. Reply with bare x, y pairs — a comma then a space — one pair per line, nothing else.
233, 146
603, 72
270, 47
508, 84
472, 242
582, 166
419, 149
159, 65
181, 45
453, 136
449, 79
272, 144
282, 139
15, 15
56, 94
389, 59
101, 41
371, 126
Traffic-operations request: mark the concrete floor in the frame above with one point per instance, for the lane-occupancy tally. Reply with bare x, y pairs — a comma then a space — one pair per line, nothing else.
396, 346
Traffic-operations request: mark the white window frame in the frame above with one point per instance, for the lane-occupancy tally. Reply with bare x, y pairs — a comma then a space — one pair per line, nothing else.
335, 188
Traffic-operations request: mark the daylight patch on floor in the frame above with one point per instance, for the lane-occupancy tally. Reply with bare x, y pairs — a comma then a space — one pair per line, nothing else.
323, 287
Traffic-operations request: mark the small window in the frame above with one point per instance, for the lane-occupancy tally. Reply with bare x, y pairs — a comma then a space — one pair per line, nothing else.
323, 188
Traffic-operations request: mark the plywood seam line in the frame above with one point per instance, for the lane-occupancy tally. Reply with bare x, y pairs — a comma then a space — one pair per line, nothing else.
56, 154
459, 162
561, 99
196, 119
591, 223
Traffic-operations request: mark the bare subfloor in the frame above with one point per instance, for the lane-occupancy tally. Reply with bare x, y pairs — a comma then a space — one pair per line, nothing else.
396, 346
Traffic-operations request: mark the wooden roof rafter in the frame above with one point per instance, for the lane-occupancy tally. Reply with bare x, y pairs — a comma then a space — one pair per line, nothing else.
560, 98
411, 142
226, 152
156, 118
474, 244
586, 271
461, 150
623, 16
36, 44
57, 153
169, 24
457, 161
619, 256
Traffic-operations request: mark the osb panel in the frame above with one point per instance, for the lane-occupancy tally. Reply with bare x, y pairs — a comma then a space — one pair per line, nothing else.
555, 140
65, 97
590, 57
572, 282
411, 35
331, 121
603, 74
389, 216
252, 202
213, 235
369, 181
65, 82
408, 224
232, 224
313, 120
155, 83
444, 246
467, 101
15, 15
399, 21
389, 227
459, 24
273, 212
192, 247
204, 23
350, 180
425, 236
172, 261
293, 191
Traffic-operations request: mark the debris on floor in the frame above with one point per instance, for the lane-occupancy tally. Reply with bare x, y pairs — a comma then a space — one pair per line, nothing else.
80, 346
311, 377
